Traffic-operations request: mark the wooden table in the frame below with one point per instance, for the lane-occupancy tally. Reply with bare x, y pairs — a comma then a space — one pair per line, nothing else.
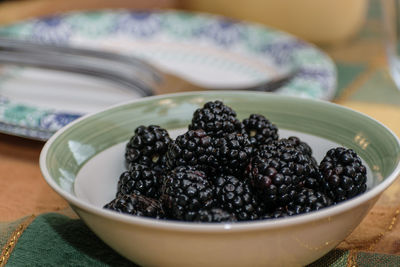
23, 191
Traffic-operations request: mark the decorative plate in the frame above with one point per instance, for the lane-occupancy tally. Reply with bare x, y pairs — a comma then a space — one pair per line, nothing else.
209, 50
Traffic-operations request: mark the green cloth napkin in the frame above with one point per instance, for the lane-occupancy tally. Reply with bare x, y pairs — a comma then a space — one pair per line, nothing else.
53, 239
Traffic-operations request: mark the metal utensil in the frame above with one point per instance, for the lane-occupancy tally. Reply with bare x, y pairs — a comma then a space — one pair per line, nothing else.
127, 71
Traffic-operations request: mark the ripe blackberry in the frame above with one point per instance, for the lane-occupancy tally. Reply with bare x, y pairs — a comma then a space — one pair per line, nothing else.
136, 205
233, 152
307, 200
279, 212
193, 148
295, 142
140, 180
260, 130
148, 146
215, 215
216, 119
185, 192
279, 170
298, 144
236, 196
304, 201
312, 181
344, 175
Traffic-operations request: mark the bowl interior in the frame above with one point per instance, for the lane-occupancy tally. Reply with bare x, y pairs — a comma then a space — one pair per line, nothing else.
85, 159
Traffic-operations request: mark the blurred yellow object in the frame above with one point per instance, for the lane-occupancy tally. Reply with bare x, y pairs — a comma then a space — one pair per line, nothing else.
13, 11
319, 21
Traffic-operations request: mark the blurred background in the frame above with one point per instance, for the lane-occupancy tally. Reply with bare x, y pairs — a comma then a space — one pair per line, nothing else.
332, 25
350, 32
320, 21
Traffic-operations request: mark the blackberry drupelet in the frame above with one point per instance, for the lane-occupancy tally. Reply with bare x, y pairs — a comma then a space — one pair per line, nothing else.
148, 146
260, 130
137, 205
216, 119
215, 215
344, 175
233, 153
279, 170
185, 192
236, 197
140, 180
193, 148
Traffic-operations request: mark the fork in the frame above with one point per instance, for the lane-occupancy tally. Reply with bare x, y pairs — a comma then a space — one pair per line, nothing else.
127, 71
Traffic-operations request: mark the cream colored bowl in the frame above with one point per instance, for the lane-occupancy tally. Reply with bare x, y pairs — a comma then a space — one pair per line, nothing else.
82, 162
317, 21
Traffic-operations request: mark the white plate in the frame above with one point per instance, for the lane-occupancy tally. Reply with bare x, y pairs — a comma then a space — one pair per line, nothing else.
210, 50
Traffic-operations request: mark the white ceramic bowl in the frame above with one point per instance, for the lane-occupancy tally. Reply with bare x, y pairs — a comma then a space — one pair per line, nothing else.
83, 161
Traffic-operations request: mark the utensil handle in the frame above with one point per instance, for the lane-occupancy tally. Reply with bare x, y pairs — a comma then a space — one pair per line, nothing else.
56, 49
95, 67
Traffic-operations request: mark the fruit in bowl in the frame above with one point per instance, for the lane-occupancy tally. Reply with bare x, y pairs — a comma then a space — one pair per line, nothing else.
224, 169
84, 162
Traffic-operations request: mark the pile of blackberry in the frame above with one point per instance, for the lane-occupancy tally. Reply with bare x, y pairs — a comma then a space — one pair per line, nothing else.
225, 169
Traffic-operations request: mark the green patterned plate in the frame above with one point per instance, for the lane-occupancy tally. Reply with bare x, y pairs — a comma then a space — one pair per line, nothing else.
209, 50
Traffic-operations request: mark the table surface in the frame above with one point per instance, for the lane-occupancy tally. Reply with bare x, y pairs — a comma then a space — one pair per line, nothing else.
364, 85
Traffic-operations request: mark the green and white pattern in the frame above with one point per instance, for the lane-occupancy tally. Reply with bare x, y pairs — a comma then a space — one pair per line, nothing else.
210, 50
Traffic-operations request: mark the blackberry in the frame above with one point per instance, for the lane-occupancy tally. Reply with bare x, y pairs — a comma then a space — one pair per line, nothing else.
344, 175
307, 200
279, 170
298, 144
185, 192
215, 215
216, 119
193, 148
236, 196
304, 201
140, 180
234, 152
148, 146
279, 212
295, 142
313, 181
260, 130
136, 205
